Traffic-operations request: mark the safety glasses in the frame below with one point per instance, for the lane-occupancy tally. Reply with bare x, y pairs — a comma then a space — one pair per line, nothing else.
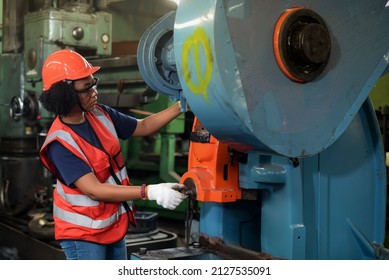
89, 89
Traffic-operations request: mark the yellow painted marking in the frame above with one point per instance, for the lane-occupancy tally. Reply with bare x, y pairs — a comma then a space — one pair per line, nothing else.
198, 45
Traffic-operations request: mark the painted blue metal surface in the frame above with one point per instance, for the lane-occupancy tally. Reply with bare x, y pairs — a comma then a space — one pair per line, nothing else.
314, 151
227, 70
345, 187
326, 207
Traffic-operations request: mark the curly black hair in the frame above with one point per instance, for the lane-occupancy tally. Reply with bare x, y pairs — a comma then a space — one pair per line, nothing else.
60, 99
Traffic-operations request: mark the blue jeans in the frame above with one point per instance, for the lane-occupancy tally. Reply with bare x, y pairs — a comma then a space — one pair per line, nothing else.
85, 250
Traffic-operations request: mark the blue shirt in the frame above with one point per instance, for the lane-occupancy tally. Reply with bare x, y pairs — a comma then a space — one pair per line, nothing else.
69, 166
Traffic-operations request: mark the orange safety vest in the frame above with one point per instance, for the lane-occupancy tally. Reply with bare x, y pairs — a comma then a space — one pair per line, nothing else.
76, 216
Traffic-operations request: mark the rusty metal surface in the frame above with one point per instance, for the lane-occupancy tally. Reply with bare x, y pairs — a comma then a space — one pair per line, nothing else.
226, 251
211, 248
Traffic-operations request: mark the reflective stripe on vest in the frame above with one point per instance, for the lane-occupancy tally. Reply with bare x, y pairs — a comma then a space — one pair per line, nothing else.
75, 199
104, 120
121, 174
80, 199
84, 221
111, 181
64, 135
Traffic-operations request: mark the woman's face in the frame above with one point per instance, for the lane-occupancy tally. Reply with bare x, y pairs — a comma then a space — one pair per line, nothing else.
86, 89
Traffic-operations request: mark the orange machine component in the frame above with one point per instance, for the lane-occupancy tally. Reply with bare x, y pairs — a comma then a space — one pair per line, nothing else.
212, 168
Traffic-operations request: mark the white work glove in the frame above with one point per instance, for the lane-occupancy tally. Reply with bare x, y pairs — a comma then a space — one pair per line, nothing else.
166, 194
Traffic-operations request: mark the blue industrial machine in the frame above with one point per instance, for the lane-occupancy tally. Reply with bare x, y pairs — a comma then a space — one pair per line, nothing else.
286, 155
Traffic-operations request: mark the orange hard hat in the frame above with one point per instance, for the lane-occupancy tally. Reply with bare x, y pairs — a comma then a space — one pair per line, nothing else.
65, 65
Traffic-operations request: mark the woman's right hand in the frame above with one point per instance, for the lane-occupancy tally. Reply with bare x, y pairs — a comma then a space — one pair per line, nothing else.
167, 195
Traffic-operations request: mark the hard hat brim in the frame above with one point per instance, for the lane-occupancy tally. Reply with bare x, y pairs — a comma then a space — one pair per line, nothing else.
91, 71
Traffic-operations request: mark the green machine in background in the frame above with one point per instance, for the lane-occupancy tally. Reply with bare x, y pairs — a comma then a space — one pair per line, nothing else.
54, 25
158, 153
33, 30
80, 26
22, 178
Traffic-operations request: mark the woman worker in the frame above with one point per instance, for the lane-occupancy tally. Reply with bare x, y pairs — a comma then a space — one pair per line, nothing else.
93, 195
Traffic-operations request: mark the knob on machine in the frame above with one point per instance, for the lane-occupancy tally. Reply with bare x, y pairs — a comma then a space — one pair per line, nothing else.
302, 44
